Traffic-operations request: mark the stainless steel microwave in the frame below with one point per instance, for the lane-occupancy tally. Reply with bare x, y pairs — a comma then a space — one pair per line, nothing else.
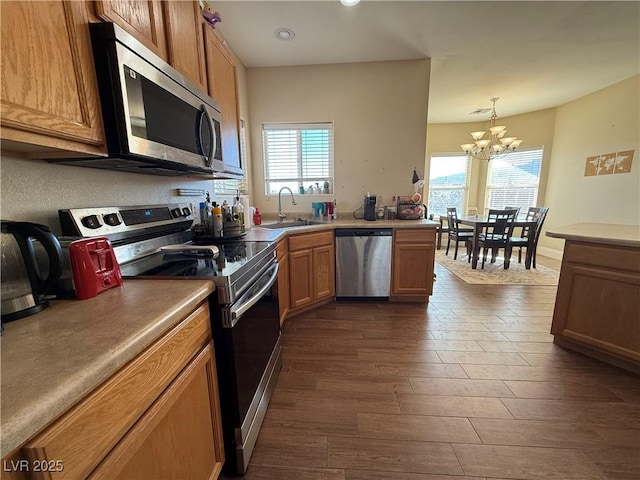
156, 121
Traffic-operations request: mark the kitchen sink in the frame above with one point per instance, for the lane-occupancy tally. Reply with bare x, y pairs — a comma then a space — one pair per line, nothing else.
298, 222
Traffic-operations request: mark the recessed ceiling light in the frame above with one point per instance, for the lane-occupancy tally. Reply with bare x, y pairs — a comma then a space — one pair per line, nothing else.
349, 3
284, 34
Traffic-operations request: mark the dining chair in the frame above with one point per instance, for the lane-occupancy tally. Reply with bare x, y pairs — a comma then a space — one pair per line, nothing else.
537, 214
517, 209
496, 233
441, 229
457, 234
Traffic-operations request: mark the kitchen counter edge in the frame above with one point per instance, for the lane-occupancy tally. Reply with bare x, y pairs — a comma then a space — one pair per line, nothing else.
257, 232
603, 233
53, 359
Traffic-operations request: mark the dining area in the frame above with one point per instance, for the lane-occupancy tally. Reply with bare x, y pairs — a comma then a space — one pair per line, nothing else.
484, 235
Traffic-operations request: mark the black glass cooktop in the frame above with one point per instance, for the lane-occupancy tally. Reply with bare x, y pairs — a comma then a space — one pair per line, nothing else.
232, 257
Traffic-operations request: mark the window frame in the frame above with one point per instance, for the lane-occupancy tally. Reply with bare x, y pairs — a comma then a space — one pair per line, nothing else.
301, 181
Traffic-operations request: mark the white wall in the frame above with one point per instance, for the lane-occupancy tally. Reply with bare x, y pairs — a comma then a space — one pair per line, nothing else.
379, 110
603, 122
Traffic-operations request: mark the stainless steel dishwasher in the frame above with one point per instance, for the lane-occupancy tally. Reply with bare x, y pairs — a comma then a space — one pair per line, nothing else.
363, 263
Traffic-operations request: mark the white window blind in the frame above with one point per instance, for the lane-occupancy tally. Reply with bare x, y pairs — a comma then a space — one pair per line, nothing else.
513, 180
297, 156
448, 182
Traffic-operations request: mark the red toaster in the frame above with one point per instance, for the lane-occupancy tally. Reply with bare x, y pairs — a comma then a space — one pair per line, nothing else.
94, 266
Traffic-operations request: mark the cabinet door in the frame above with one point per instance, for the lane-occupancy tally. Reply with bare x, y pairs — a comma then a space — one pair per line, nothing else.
301, 278
221, 74
49, 90
413, 269
180, 436
82, 436
185, 45
324, 272
142, 19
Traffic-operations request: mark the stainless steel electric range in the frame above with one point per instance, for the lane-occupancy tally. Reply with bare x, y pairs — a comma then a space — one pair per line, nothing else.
156, 242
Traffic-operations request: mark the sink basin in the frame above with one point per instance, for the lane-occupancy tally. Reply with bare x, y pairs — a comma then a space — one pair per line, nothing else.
292, 223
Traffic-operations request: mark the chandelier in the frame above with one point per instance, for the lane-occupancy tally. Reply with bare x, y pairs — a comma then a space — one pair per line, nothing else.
496, 145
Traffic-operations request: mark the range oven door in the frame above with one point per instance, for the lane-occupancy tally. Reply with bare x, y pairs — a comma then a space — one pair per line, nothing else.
248, 354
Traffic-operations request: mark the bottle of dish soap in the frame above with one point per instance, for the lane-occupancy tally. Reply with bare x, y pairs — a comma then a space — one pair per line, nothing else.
257, 218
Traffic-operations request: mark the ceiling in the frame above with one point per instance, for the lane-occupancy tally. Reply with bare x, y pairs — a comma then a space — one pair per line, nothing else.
533, 55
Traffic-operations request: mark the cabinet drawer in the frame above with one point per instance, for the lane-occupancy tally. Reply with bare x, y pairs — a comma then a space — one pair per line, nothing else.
86, 433
608, 256
414, 235
310, 240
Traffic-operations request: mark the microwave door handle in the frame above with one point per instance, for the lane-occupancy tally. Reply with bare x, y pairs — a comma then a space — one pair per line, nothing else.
237, 312
204, 116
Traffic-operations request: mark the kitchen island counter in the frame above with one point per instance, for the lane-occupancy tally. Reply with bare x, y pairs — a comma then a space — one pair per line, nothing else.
53, 359
598, 299
602, 233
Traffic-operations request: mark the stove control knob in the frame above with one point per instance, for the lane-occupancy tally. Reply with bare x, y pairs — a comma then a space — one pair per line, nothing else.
186, 211
176, 212
112, 219
92, 221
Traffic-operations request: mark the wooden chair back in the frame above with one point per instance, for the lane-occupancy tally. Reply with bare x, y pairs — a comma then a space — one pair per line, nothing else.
500, 225
452, 220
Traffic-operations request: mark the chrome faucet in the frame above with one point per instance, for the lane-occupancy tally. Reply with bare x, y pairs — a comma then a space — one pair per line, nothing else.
281, 215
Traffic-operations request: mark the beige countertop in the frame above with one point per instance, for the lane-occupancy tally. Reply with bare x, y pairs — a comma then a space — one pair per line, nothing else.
257, 232
609, 234
53, 359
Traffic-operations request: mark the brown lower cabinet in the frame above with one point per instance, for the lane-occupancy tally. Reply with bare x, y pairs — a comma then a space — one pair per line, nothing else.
158, 417
412, 263
598, 303
311, 269
307, 268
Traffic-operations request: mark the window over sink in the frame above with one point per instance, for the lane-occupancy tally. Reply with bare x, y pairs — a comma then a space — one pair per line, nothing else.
298, 156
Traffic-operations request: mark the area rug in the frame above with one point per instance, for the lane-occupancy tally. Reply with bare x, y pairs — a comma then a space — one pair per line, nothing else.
494, 273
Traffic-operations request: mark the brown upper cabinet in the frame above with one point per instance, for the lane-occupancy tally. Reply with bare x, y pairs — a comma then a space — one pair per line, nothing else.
221, 74
172, 30
50, 104
185, 45
142, 19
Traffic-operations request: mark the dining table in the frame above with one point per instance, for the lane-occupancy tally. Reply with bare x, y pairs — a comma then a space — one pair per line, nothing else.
478, 222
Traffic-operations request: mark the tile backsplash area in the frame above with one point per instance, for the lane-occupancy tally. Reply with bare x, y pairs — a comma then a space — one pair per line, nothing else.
34, 190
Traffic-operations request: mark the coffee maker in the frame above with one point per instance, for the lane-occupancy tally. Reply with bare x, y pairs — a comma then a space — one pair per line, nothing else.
370, 206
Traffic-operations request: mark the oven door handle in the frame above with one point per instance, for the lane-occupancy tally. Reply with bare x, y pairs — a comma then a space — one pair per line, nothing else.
236, 312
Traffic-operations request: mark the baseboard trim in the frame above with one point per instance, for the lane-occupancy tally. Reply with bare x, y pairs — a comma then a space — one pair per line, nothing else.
550, 252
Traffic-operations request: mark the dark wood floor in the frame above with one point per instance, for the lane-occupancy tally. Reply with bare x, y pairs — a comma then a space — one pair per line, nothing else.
470, 386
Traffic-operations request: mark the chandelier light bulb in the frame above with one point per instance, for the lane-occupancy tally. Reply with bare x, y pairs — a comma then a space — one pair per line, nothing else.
497, 145
349, 3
